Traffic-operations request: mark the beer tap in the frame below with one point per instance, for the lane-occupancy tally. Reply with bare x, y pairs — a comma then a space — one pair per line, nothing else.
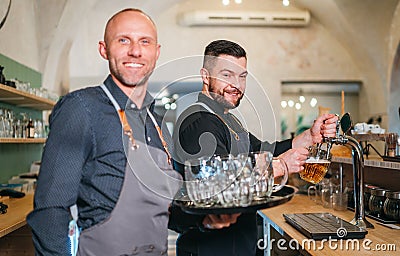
358, 168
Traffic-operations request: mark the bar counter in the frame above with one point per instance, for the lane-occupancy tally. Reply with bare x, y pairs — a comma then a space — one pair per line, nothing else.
15, 218
379, 238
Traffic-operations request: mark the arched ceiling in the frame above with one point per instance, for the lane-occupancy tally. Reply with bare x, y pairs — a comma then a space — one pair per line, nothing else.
342, 18
352, 23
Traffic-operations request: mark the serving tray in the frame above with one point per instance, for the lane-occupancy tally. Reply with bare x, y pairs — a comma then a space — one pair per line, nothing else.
282, 196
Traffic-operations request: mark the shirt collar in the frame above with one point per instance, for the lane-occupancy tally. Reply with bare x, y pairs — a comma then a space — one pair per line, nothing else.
122, 98
214, 105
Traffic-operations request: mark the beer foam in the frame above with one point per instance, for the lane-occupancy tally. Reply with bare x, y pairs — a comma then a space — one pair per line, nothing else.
313, 160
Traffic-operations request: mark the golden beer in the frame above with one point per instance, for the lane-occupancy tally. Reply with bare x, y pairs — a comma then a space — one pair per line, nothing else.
314, 170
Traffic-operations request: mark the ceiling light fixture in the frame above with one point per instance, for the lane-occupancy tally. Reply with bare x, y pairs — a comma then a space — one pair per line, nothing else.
285, 2
227, 2
313, 102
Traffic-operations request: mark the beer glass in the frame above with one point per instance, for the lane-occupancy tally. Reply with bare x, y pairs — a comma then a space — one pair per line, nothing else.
264, 168
391, 144
201, 181
316, 165
233, 181
340, 199
218, 180
314, 191
326, 195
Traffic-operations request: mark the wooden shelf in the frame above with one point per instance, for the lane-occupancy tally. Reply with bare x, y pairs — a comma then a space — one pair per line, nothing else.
23, 140
369, 137
23, 99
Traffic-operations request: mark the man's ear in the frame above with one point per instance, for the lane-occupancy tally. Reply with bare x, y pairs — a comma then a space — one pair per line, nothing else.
205, 76
103, 50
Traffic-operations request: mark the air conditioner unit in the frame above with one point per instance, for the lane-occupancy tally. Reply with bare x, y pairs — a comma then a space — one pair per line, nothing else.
257, 19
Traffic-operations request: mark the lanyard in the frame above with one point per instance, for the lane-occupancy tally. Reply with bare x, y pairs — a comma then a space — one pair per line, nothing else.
127, 129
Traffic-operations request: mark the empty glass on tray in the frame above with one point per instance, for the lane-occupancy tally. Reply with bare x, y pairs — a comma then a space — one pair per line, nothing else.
266, 172
233, 181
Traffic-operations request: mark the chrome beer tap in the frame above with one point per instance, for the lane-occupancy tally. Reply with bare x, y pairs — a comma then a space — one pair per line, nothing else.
358, 168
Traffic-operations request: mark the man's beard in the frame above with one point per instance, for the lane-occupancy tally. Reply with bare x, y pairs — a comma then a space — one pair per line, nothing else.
126, 80
221, 100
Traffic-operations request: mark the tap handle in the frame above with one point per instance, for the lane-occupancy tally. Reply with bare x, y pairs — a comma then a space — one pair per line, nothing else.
337, 127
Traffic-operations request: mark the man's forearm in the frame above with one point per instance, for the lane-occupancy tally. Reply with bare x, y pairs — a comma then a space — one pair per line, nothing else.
303, 140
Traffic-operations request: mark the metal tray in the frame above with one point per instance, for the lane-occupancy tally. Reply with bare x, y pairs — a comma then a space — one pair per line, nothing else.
282, 196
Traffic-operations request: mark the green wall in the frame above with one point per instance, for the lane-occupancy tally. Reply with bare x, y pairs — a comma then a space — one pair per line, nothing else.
13, 69
17, 158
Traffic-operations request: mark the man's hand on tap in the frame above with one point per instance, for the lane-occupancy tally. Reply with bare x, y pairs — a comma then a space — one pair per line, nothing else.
324, 126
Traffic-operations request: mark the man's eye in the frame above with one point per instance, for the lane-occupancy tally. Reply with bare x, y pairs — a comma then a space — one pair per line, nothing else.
145, 42
123, 40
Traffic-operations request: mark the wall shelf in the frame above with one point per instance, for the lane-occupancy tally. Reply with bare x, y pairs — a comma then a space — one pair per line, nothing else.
23, 99
22, 140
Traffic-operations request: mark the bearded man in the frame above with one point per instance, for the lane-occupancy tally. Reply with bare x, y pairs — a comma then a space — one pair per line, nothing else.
206, 128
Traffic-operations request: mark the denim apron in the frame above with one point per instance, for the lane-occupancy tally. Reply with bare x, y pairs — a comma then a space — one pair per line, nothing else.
138, 224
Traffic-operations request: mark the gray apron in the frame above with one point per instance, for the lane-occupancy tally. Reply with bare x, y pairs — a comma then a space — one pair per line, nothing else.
138, 224
230, 242
238, 145
243, 143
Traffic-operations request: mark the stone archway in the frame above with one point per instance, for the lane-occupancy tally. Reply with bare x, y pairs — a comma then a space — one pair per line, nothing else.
56, 63
57, 56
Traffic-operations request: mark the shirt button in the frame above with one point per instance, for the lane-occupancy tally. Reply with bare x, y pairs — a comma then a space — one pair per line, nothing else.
133, 105
148, 139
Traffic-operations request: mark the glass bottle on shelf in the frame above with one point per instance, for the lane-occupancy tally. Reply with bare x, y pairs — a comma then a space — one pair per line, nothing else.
30, 129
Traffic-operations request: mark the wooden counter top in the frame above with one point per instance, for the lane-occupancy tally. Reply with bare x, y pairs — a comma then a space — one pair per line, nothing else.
379, 237
15, 218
